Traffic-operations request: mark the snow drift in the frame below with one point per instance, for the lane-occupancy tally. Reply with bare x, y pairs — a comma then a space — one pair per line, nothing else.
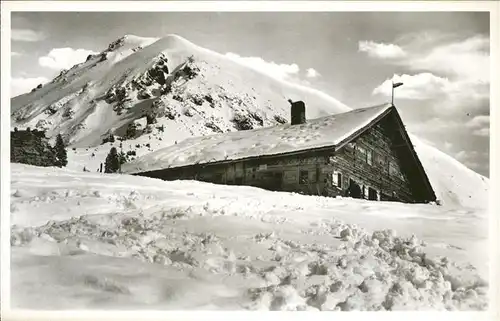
104, 241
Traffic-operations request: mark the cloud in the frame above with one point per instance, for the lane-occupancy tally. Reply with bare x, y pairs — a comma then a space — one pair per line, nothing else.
278, 71
424, 39
483, 132
381, 50
419, 87
480, 125
478, 121
471, 159
434, 125
21, 85
15, 54
462, 155
64, 58
290, 73
312, 73
453, 71
26, 35
466, 59
446, 93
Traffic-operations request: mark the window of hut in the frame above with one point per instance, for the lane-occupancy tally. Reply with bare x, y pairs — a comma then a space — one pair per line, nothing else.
379, 159
393, 169
361, 152
337, 179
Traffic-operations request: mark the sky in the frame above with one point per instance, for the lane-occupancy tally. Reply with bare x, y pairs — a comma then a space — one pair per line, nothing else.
442, 58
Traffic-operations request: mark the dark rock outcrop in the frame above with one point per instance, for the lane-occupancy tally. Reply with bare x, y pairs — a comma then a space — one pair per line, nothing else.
280, 119
242, 122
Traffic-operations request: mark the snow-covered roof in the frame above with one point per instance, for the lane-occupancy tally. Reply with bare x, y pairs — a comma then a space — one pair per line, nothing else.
315, 133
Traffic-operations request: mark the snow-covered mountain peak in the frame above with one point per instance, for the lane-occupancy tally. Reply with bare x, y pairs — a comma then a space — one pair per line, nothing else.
131, 40
198, 91
174, 40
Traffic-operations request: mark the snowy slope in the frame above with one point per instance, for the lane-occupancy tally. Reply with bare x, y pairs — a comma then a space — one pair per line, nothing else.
82, 103
453, 183
105, 241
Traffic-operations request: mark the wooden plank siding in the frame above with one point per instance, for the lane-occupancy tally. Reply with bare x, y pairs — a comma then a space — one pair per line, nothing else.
278, 174
383, 174
284, 173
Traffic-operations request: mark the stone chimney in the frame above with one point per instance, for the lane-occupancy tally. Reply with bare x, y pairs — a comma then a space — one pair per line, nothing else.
298, 111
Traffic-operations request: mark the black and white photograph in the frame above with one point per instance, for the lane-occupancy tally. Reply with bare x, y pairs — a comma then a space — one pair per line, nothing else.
270, 160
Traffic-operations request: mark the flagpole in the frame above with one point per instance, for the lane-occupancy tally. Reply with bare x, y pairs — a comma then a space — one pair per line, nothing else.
394, 85
392, 95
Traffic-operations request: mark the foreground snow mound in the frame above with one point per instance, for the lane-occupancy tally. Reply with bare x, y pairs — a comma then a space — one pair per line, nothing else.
87, 240
453, 183
369, 272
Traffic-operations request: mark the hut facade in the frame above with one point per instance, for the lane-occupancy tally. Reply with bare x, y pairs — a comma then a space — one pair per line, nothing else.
364, 153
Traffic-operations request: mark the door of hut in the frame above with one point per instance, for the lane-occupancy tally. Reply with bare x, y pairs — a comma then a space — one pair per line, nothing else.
238, 173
